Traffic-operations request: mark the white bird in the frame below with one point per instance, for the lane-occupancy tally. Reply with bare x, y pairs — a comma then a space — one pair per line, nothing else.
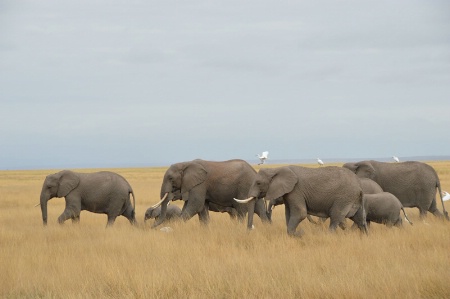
395, 159
320, 162
446, 196
263, 157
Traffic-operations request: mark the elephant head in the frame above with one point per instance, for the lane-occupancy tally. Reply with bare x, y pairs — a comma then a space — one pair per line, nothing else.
363, 169
57, 185
270, 184
178, 181
152, 213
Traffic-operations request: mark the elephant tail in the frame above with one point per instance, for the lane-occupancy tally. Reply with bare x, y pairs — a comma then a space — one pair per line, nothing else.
134, 200
438, 185
406, 216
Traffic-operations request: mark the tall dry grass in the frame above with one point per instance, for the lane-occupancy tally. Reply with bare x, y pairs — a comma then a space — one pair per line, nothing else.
222, 260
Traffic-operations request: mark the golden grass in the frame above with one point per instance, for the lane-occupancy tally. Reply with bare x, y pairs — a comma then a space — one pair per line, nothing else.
222, 260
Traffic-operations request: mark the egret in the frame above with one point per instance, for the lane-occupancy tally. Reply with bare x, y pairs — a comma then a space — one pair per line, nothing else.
263, 157
320, 162
395, 159
446, 196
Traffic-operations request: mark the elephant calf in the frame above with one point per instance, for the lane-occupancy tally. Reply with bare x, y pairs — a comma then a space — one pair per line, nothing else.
384, 208
173, 212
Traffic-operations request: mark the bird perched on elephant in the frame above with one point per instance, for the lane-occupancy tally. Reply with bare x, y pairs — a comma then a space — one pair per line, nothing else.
384, 208
203, 184
173, 212
413, 183
333, 192
100, 192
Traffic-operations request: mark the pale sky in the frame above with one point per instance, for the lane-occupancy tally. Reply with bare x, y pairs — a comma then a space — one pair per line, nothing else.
136, 83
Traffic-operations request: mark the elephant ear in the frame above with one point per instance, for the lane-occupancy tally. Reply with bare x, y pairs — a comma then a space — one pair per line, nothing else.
193, 175
282, 182
68, 181
365, 170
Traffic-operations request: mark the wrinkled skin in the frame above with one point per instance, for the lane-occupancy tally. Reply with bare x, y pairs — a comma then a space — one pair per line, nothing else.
100, 192
173, 212
413, 183
279, 201
331, 192
383, 208
207, 185
367, 185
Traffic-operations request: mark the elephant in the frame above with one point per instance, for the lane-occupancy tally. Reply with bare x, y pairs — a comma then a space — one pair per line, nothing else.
205, 185
100, 192
413, 183
333, 192
369, 186
384, 208
173, 212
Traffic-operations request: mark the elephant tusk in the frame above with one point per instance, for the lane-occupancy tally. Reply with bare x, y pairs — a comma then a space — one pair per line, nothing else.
244, 200
160, 202
37, 205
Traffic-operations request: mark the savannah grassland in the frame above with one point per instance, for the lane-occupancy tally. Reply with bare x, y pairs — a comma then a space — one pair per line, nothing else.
222, 260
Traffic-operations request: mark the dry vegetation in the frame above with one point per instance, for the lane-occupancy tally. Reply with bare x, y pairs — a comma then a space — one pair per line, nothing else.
222, 260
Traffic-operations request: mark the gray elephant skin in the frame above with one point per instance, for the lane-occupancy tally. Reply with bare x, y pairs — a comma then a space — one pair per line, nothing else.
205, 185
333, 192
368, 186
173, 212
384, 208
100, 192
413, 183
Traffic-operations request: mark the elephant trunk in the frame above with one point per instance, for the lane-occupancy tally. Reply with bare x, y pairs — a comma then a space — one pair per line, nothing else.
43, 202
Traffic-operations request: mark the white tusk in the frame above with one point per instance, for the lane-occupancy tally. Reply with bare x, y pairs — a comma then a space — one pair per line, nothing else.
37, 205
244, 200
160, 202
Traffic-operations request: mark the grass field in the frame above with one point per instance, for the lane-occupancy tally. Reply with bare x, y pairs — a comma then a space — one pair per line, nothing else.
222, 260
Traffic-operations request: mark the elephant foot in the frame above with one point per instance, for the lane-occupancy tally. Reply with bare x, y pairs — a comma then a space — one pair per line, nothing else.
296, 234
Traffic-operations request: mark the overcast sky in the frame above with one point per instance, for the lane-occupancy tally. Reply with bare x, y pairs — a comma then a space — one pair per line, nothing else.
135, 83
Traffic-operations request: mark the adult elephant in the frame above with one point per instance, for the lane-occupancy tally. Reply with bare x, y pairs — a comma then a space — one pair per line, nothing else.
333, 192
203, 184
100, 192
413, 183
368, 186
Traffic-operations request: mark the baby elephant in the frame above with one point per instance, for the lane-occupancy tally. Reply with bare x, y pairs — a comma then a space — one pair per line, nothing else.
173, 212
384, 208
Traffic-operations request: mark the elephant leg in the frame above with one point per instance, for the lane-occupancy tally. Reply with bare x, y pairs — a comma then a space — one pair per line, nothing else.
203, 216
67, 214
130, 214
343, 225
297, 215
76, 219
111, 219
434, 210
192, 206
422, 213
336, 218
287, 213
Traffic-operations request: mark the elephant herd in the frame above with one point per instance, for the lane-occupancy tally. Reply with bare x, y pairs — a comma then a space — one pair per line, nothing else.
366, 191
